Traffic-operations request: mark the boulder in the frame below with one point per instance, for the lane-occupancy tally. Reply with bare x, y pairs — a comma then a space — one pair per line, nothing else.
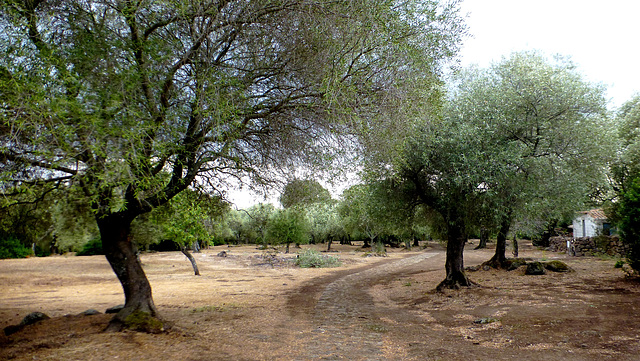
535, 269
114, 309
33, 317
514, 263
90, 312
557, 266
29, 319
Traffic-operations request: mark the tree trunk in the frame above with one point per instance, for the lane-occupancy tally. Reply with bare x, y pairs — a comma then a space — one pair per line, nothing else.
515, 246
186, 252
484, 237
329, 241
139, 311
499, 258
454, 264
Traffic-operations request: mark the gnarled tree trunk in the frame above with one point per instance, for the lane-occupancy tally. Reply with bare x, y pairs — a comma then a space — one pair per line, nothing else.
454, 265
139, 311
484, 238
499, 258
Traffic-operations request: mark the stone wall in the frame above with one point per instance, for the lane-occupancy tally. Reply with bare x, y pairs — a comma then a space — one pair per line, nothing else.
588, 246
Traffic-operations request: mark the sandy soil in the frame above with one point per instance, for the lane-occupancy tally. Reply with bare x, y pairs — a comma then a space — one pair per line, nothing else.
246, 308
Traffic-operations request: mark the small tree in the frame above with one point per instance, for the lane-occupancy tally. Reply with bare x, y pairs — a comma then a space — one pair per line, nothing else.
186, 224
288, 226
324, 222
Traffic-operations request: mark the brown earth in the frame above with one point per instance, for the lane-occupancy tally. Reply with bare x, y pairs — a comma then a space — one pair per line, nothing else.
244, 307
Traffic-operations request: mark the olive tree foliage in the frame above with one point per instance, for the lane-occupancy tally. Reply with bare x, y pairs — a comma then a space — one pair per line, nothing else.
288, 226
553, 128
626, 166
357, 216
108, 96
28, 221
521, 139
324, 223
625, 179
58, 221
370, 211
303, 192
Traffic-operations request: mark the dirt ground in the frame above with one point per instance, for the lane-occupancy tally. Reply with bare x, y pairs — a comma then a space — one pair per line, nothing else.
246, 307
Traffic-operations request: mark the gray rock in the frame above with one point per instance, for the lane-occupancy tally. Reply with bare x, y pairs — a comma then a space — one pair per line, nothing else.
33, 317
114, 309
90, 312
29, 319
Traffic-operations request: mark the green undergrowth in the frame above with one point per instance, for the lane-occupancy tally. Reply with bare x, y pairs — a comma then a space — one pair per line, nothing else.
313, 259
143, 322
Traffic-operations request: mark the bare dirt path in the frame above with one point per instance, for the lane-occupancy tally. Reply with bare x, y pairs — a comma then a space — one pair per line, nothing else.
376, 313
346, 321
245, 309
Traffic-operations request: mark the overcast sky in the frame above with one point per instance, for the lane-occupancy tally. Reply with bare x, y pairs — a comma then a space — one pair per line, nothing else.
601, 37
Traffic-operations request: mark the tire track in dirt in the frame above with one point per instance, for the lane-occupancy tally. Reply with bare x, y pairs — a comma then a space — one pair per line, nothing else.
345, 320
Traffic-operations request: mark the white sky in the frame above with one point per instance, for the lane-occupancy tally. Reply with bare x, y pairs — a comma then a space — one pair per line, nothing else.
600, 36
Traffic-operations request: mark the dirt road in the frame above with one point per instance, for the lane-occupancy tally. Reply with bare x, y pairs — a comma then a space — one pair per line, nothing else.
368, 309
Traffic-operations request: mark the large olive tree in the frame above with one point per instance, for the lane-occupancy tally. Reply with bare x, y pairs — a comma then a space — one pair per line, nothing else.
521, 139
109, 96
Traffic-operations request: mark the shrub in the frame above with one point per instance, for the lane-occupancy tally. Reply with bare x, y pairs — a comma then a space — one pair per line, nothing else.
91, 248
629, 213
313, 259
11, 247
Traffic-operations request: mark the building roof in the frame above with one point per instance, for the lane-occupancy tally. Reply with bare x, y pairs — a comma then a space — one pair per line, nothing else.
595, 213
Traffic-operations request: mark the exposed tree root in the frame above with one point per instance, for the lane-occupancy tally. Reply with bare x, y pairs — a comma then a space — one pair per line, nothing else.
137, 321
456, 283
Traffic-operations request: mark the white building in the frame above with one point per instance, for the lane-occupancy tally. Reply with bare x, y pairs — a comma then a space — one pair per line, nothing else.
590, 224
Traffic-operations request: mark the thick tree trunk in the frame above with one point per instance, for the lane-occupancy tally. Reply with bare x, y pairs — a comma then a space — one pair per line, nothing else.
454, 264
186, 252
139, 311
499, 258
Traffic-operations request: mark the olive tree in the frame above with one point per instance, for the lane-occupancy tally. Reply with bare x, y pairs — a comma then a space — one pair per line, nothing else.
523, 137
109, 96
288, 226
550, 131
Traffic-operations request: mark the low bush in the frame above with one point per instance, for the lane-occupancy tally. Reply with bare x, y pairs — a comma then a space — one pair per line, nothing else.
314, 259
91, 248
11, 247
